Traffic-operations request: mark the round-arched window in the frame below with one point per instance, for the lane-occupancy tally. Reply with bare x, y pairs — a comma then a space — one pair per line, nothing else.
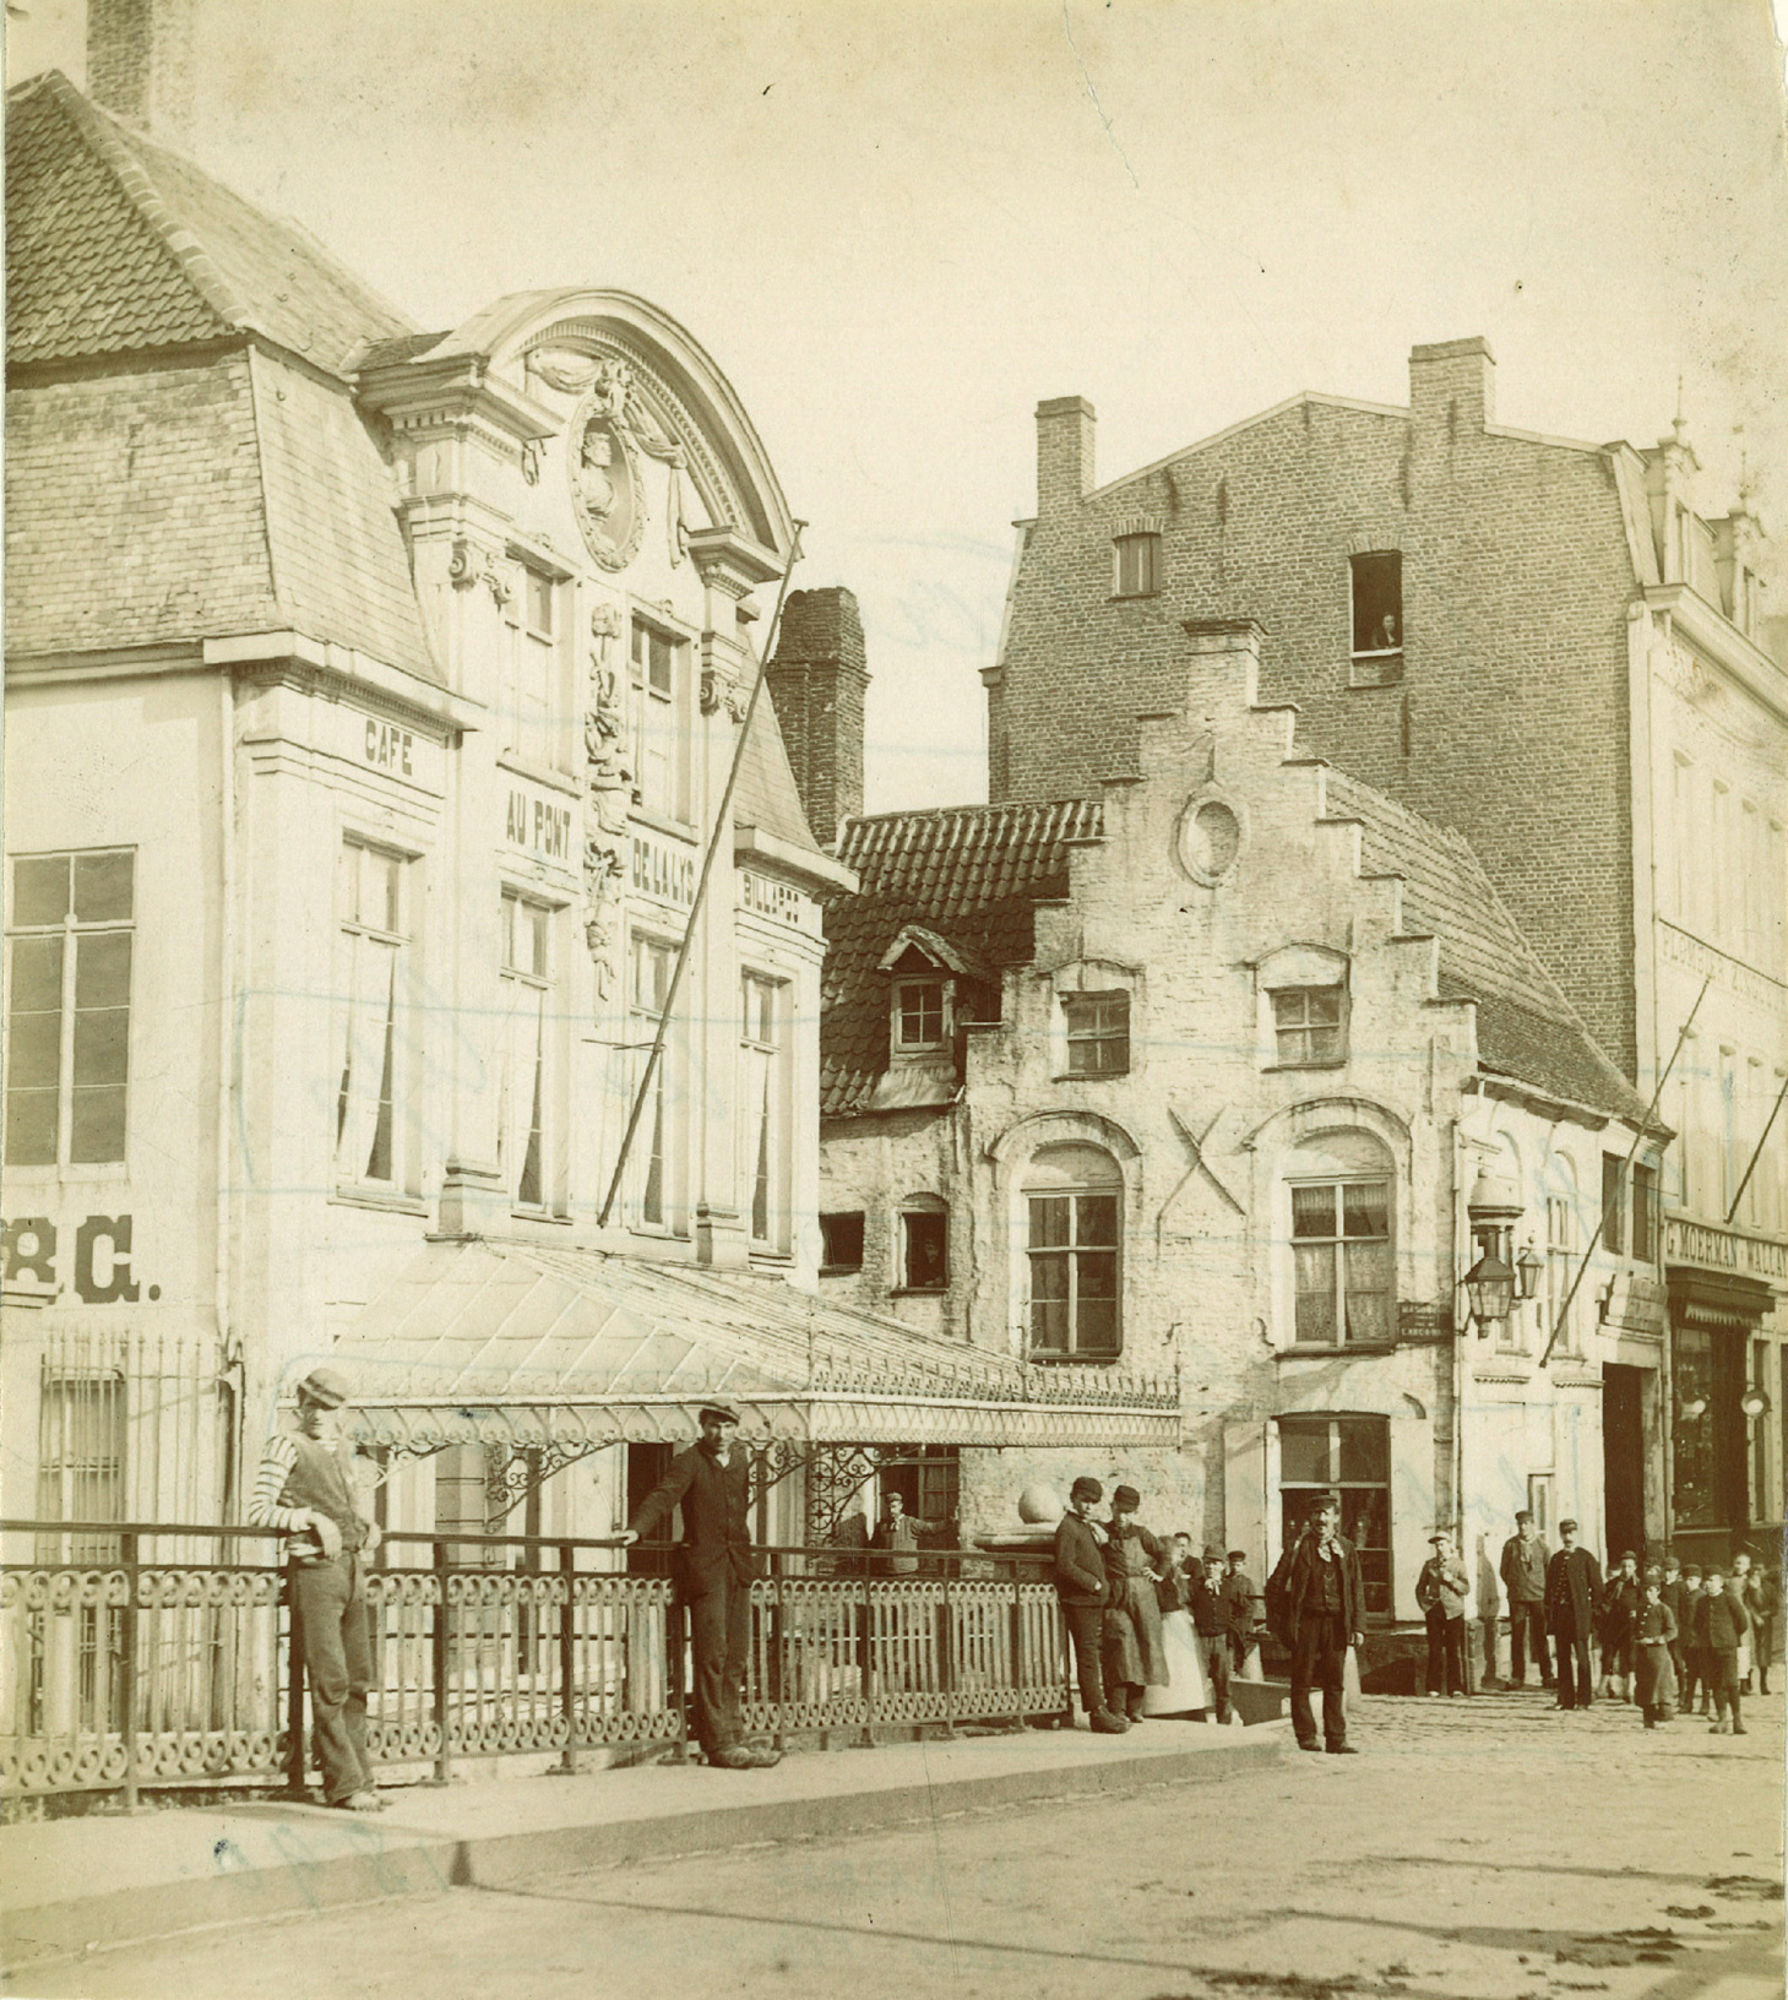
1344, 1279
1073, 1196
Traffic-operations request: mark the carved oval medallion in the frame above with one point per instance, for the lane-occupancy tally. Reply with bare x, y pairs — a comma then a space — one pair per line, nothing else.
607, 495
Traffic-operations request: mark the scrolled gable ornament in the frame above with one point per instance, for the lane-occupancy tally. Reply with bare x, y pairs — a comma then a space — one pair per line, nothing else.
608, 495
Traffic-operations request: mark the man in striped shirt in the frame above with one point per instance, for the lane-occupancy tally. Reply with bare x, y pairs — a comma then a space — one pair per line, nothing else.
304, 1487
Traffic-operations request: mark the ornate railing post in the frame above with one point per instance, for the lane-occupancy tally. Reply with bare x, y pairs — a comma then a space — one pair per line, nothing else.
297, 1763
127, 1667
440, 1663
675, 1620
1018, 1646
866, 1657
568, 1656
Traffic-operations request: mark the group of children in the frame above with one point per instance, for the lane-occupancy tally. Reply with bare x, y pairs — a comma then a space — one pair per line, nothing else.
1698, 1631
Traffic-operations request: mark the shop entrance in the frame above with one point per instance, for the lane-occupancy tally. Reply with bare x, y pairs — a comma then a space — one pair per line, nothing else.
1623, 1461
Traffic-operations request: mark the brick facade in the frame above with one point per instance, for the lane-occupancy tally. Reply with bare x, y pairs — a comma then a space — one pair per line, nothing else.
817, 681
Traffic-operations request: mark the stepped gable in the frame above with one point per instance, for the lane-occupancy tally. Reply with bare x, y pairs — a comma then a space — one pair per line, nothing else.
973, 874
1527, 1029
116, 244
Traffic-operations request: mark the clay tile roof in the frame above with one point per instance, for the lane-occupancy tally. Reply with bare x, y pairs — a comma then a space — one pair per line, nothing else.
1527, 1029
115, 244
972, 874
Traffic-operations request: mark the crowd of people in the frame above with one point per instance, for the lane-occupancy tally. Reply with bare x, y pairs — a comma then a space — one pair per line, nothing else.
1146, 1614
1666, 1633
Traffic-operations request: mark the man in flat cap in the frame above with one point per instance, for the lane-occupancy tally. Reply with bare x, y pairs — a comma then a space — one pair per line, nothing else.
305, 1488
1323, 1612
1080, 1583
711, 1484
1573, 1589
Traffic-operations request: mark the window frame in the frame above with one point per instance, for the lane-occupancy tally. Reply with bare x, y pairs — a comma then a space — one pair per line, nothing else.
1100, 1036
70, 931
1138, 550
1281, 1028
354, 930
1340, 1289
764, 1171
659, 711
1073, 1255
829, 1220
934, 1212
1369, 665
921, 1045
542, 1140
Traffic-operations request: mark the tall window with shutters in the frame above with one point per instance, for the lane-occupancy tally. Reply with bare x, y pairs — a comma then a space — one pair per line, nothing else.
372, 1043
1342, 1241
68, 1007
763, 1110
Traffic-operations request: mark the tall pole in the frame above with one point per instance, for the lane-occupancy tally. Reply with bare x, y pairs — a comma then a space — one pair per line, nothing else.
715, 835
1638, 1140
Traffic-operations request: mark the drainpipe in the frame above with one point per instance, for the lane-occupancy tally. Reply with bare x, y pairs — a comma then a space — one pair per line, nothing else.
226, 1015
1459, 1372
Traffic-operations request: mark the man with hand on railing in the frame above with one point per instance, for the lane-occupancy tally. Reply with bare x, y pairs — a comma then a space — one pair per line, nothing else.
711, 1485
304, 1487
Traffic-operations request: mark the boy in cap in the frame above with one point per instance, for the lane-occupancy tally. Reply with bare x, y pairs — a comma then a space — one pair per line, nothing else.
1441, 1593
1242, 1601
1721, 1623
1652, 1637
711, 1483
305, 1487
1210, 1620
1694, 1667
1080, 1583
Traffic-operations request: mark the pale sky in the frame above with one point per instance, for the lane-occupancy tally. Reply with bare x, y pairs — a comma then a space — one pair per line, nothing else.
896, 228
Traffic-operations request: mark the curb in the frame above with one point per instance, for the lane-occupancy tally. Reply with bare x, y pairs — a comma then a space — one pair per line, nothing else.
265, 1861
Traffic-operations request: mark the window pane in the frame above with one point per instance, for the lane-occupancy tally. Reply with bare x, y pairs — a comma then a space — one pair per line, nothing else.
925, 1241
540, 601
1049, 1222
1366, 1209
34, 1053
1377, 601
102, 970
101, 1046
102, 888
1315, 1265
1097, 1218
30, 1128
1098, 1274
1096, 1326
1323, 1005
1303, 1454
96, 1128
40, 890
1365, 1451
1049, 1276
537, 930
36, 974
1049, 1325
1313, 1211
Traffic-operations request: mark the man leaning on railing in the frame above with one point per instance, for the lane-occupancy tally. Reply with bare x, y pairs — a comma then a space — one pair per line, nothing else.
303, 1487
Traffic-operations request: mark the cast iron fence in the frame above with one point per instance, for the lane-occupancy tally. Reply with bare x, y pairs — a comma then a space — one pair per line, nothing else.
129, 1660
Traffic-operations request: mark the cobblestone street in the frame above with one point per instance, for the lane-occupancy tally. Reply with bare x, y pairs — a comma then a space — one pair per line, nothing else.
1489, 1849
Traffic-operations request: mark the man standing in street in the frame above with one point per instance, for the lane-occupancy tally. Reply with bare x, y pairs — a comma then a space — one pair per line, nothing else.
711, 1485
1211, 1622
1761, 1597
1573, 1589
1721, 1623
1080, 1583
1324, 1613
1442, 1592
1524, 1559
305, 1489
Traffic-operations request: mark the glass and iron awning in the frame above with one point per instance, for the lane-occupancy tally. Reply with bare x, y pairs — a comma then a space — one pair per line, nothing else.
522, 1346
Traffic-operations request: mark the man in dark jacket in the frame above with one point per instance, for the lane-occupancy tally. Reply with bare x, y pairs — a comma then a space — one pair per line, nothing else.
1211, 1621
1573, 1590
1080, 1583
711, 1485
1325, 1613
1721, 1623
1524, 1559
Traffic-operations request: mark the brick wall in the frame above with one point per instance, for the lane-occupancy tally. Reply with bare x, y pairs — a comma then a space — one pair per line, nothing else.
1510, 722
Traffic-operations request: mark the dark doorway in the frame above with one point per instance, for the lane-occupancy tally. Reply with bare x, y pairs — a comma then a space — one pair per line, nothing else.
646, 1466
1623, 1461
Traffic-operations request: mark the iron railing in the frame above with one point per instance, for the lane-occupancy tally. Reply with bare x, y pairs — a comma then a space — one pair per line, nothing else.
124, 1668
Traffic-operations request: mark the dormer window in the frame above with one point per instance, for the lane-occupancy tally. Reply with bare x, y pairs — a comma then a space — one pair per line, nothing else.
919, 1016
1377, 659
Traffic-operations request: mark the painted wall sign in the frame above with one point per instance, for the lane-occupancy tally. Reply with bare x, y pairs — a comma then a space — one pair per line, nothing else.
392, 749
663, 872
539, 824
778, 900
99, 1267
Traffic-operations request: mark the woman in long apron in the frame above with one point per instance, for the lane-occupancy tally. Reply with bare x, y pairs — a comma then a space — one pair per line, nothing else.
1134, 1658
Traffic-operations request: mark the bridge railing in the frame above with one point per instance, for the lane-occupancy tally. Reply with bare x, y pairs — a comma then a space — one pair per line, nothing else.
138, 1655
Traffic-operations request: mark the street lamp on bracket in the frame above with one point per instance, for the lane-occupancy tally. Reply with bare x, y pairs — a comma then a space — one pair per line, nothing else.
1494, 1283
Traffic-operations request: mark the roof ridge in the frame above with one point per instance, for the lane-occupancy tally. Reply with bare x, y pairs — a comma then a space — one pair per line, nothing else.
104, 137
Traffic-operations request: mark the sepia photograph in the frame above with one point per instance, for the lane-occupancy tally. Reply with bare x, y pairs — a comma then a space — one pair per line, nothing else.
895, 999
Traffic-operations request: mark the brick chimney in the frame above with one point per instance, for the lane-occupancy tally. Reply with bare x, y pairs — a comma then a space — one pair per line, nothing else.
1453, 384
139, 64
816, 680
1064, 452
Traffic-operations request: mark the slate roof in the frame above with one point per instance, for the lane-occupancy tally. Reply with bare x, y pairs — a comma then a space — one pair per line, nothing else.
973, 873
1527, 1029
117, 245
766, 795
976, 873
231, 492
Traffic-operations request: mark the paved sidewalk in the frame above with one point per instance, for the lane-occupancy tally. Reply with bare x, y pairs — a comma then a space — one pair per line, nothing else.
77, 1884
